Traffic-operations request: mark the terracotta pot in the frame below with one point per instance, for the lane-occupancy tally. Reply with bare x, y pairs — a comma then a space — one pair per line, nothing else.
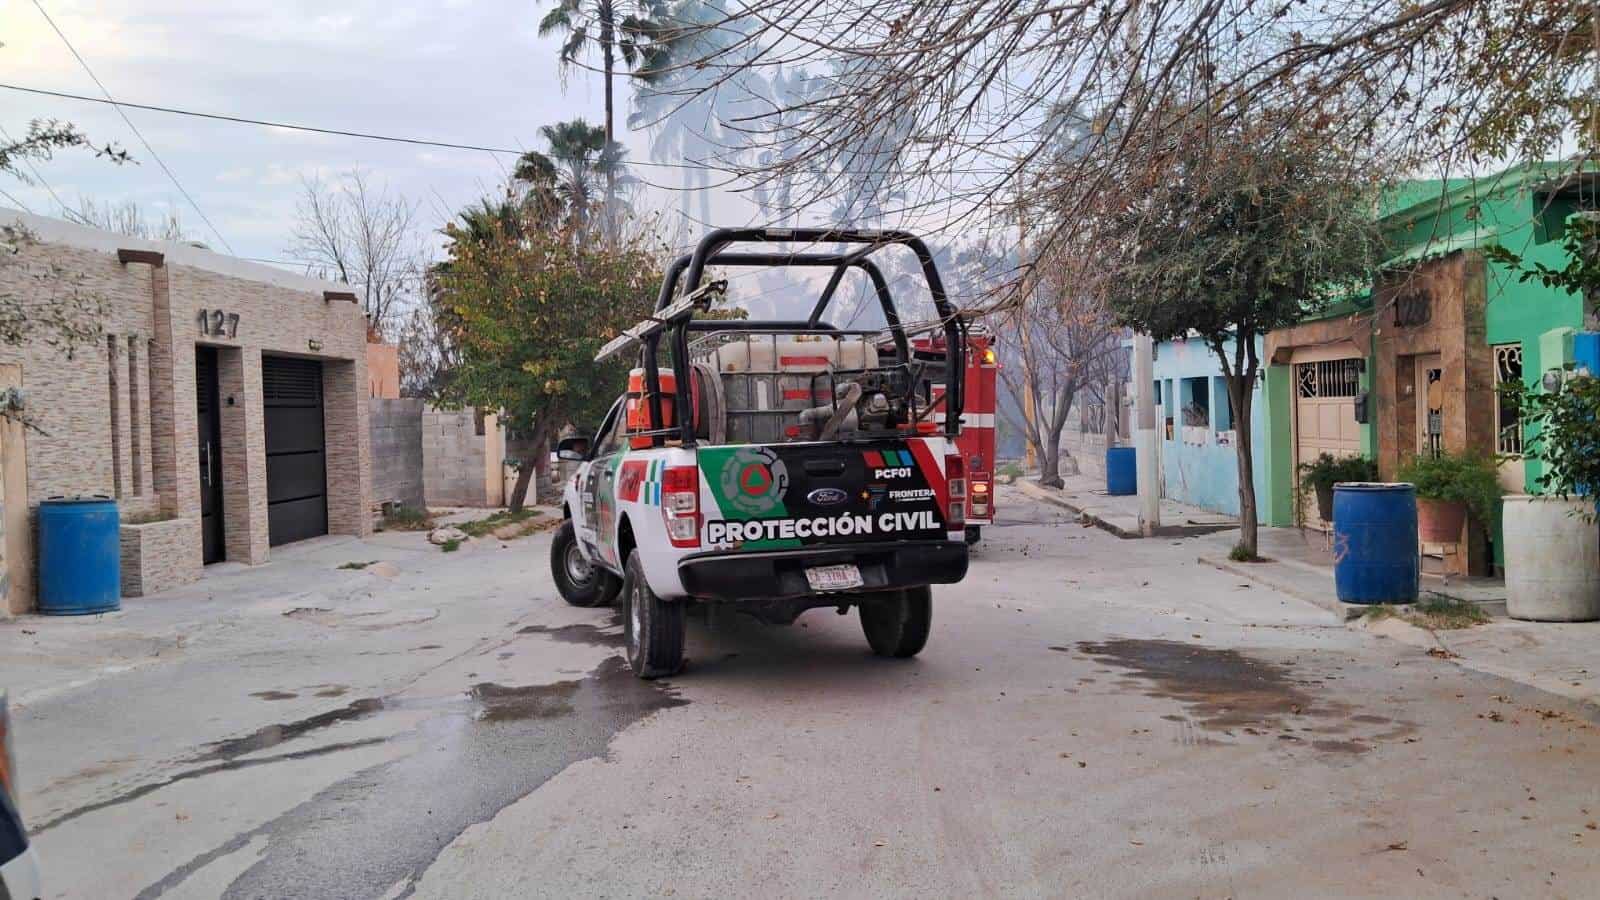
1325, 502
1440, 521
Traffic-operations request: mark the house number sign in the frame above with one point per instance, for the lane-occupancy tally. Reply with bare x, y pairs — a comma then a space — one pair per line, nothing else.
219, 323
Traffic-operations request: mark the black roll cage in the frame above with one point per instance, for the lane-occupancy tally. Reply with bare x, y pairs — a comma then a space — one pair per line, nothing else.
710, 251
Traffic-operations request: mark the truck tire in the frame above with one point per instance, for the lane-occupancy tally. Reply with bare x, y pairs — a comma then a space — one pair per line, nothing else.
973, 535
652, 627
580, 582
897, 622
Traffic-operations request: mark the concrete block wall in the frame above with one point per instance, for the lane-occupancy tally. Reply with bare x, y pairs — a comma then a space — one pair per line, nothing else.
396, 430
453, 459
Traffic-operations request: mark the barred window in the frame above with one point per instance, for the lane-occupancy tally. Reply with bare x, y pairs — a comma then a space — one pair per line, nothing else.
1507, 412
1329, 378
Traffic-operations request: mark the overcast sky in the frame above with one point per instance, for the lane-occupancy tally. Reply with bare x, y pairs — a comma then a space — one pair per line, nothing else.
470, 72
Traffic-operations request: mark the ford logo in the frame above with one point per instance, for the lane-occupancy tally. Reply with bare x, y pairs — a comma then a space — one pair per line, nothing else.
827, 496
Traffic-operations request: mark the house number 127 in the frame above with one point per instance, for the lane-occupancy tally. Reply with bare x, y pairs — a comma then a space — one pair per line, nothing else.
216, 323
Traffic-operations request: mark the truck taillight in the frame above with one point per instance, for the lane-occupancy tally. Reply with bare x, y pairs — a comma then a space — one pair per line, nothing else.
980, 494
955, 475
680, 505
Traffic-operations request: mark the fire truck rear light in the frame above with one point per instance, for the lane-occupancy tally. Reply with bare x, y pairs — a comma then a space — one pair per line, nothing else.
979, 487
680, 505
955, 474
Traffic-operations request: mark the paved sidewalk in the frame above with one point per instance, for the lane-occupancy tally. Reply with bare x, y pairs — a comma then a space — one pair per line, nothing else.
1561, 658
1119, 515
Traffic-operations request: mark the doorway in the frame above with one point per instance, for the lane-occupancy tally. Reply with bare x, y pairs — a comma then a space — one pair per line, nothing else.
1430, 404
297, 468
208, 410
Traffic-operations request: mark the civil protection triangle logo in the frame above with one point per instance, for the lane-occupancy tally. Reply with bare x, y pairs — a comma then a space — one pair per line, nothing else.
754, 481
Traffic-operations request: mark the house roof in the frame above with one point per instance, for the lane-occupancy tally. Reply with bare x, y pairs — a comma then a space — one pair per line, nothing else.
59, 231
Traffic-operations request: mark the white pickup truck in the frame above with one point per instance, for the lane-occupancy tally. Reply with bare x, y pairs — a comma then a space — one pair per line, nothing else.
772, 466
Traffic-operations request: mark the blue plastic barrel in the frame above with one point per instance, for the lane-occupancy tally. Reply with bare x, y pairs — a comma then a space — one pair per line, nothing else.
1122, 471
1375, 552
80, 556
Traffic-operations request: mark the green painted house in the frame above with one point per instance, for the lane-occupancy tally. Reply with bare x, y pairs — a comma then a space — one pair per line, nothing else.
1412, 365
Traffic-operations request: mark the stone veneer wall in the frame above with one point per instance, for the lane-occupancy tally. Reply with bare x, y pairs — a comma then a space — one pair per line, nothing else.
159, 555
117, 414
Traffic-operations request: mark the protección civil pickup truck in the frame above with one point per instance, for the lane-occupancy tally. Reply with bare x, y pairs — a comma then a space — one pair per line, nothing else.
773, 466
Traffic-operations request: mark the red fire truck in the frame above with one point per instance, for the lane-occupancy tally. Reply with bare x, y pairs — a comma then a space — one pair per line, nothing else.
977, 438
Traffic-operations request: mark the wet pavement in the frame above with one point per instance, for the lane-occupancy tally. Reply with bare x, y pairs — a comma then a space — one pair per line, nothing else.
1092, 717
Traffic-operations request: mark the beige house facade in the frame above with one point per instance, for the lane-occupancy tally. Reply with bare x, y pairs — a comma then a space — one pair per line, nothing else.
224, 403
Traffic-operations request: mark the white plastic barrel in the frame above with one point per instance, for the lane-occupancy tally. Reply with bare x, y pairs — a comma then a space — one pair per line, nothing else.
1552, 559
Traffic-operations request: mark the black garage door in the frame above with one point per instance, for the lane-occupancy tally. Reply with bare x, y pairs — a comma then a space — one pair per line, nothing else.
297, 473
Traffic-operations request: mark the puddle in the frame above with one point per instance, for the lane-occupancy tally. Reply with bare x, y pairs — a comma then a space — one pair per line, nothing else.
498, 703
1222, 688
272, 735
387, 823
582, 633
274, 695
335, 690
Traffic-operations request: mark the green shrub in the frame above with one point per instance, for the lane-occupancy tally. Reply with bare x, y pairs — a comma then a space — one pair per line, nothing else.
1456, 477
1328, 470
1564, 432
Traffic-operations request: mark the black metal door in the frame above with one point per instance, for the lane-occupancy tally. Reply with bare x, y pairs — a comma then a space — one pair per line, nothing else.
297, 477
209, 419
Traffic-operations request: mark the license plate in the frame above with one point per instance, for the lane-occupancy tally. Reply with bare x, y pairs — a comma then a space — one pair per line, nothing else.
834, 578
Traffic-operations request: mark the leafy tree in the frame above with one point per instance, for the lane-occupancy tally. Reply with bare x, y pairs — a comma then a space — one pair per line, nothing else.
1251, 231
526, 309
56, 306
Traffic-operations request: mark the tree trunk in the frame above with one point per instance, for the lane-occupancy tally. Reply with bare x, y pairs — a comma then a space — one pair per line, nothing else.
1247, 472
531, 453
607, 40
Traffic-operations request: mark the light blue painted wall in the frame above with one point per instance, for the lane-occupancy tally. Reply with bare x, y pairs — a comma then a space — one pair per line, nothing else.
1208, 475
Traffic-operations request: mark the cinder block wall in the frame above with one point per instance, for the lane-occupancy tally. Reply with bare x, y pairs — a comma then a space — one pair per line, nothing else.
396, 427
453, 461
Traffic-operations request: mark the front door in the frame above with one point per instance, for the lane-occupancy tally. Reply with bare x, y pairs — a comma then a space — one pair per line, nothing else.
1325, 419
1430, 405
209, 419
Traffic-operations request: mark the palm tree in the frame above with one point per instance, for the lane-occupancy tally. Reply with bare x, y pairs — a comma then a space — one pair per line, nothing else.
618, 28
683, 103
563, 181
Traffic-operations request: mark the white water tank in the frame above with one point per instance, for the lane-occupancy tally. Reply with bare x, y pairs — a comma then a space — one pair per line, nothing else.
1552, 559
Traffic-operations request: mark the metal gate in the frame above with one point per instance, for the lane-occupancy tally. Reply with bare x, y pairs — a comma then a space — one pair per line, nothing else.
1324, 418
297, 479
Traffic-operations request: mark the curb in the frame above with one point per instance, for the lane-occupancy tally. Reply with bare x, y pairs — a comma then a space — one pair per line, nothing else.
1343, 612
1044, 494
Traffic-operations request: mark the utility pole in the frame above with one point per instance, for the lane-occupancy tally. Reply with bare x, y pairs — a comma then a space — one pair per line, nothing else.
1030, 459
1146, 449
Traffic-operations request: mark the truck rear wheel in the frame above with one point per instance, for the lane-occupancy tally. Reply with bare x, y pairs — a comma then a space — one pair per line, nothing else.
580, 582
653, 627
897, 622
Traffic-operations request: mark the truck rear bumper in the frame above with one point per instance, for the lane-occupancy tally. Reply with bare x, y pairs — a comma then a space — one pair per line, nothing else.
781, 573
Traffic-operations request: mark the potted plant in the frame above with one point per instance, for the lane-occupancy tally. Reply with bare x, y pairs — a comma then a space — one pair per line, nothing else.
1328, 470
1449, 486
1552, 547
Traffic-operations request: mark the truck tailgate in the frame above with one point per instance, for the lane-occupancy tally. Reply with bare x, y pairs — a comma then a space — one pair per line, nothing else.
787, 496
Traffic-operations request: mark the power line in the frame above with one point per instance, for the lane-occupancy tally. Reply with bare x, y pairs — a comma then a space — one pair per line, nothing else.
420, 142
19, 203
153, 154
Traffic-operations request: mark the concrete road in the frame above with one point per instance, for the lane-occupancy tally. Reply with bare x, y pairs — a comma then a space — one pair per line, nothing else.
1092, 717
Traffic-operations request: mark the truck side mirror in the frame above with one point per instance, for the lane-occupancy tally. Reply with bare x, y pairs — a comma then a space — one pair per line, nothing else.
573, 449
